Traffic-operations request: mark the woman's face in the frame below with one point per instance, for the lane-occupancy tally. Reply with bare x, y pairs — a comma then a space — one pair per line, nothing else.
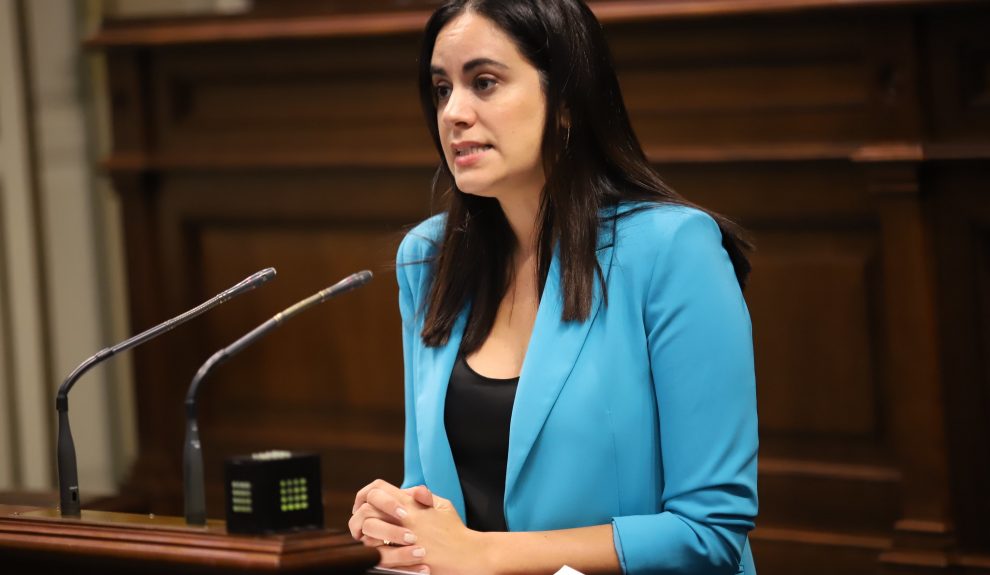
490, 109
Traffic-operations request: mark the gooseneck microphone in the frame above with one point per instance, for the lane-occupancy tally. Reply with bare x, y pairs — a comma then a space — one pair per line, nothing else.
68, 480
192, 456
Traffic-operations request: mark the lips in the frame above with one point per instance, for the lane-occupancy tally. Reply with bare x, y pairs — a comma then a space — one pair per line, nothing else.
467, 154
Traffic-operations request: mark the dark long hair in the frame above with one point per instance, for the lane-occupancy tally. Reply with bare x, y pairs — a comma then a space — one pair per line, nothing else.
592, 160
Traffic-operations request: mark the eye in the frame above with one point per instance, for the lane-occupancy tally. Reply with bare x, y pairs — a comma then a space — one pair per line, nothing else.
484, 83
441, 92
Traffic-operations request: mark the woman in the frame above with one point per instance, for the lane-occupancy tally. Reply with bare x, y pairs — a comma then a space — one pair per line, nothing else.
578, 358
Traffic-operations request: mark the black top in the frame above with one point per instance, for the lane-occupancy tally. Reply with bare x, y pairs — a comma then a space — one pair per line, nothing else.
476, 415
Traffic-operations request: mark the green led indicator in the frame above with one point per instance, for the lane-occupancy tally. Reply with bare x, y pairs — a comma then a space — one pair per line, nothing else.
293, 494
240, 499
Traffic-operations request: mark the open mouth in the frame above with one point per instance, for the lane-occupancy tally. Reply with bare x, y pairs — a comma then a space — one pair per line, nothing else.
472, 150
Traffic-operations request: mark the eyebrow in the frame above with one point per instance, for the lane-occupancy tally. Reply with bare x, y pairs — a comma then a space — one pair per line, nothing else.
469, 65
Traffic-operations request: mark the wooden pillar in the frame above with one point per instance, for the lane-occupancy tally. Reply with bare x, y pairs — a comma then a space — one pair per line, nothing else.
916, 419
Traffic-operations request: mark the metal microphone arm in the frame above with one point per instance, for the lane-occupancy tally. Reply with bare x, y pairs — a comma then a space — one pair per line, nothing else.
194, 485
68, 476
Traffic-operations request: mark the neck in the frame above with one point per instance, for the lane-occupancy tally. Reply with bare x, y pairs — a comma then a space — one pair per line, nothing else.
521, 211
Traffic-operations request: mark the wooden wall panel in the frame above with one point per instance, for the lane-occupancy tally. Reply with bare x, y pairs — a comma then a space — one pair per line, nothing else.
818, 381
323, 372
959, 62
340, 101
847, 137
844, 555
756, 81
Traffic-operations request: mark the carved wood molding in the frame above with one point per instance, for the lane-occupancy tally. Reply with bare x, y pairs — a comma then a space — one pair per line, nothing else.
225, 30
128, 162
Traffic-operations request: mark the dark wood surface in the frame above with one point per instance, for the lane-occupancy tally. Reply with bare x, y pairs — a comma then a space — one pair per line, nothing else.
37, 540
850, 137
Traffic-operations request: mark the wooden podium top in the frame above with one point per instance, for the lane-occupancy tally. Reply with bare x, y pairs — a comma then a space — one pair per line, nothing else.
37, 540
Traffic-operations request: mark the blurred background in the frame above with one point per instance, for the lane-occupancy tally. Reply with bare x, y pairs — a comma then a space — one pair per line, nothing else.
153, 153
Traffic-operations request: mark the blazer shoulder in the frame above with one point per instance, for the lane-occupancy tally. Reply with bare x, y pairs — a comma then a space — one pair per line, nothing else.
422, 242
648, 230
415, 256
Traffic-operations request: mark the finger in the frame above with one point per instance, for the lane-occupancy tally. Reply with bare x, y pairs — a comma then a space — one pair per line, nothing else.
362, 495
390, 502
441, 503
365, 512
402, 556
387, 532
371, 541
413, 568
421, 494
417, 568
354, 526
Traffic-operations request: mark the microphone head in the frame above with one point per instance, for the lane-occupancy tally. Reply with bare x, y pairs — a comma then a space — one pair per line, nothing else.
362, 277
352, 281
347, 284
261, 277
254, 280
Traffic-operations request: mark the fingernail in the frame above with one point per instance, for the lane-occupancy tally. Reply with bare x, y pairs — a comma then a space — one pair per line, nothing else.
409, 538
419, 552
424, 570
401, 512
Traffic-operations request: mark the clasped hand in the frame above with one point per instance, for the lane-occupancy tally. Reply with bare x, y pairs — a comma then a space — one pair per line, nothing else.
414, 530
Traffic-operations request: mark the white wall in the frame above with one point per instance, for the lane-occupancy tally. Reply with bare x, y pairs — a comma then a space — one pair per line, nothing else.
61, 278
155, 8
62, 284
25, 421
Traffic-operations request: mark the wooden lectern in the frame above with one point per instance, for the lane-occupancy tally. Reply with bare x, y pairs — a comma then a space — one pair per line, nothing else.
39, 541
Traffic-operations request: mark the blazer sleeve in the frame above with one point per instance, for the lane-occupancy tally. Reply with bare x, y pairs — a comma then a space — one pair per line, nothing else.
701, 353
408, 266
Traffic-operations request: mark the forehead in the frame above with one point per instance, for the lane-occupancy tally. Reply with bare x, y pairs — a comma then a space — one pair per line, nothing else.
470, 36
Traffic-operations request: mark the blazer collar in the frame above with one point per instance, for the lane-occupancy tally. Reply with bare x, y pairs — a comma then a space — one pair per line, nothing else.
553, 350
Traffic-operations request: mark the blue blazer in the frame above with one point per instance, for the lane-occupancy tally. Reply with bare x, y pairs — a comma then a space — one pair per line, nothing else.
643, 416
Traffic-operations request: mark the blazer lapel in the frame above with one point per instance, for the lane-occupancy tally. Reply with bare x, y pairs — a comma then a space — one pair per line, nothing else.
553, 350
435, 365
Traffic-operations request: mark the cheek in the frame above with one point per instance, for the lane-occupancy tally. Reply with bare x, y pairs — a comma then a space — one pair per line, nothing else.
445, 143
529, 137
530, 123
521, 133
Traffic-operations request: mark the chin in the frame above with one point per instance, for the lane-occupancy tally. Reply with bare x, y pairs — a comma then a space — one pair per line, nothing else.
474, 187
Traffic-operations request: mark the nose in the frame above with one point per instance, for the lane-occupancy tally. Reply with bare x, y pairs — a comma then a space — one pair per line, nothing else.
458, 110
